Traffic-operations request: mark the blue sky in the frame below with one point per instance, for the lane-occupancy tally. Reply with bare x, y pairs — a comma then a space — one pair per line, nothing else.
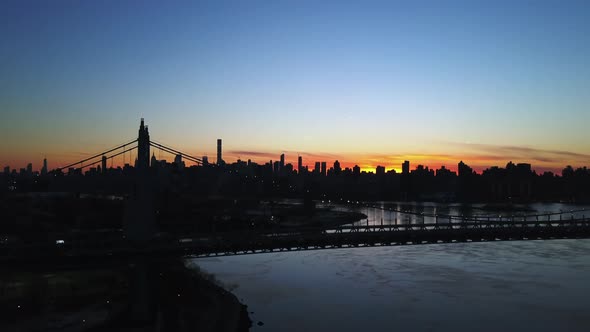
354, 80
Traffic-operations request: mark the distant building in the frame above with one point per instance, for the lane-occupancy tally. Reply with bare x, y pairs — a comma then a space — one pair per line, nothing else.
104, 163
324, 168
463, 169
406, 167
29, 169
317, 168
337, 169
356, 170
205, 160
524, 168
178, 161
276, 167
443, 171
44, 168
219, 156
380, 170
299, 164
282, 162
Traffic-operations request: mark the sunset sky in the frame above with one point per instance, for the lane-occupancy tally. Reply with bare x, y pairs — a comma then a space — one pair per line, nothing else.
367, 83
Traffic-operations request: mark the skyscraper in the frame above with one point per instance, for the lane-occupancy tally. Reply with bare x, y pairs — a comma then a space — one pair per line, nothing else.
465, 170
324, 170
380, 170
143, 147
153, 162
337, 168
317, 167
356, 170
205, 160
219, 159
299, 165
44, 168
104, 163
178, 161
406, 167
282, 163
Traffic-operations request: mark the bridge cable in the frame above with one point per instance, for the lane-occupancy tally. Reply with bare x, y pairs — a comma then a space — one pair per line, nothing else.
109, 157
96, 156
176, 150
173, 151
158, 145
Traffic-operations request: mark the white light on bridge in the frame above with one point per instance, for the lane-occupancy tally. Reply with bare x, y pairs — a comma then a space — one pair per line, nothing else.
60, 242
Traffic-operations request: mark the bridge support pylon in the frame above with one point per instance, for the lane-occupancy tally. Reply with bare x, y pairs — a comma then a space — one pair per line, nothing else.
140, 218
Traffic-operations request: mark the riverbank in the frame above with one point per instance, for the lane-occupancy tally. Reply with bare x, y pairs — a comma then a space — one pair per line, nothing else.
144, 296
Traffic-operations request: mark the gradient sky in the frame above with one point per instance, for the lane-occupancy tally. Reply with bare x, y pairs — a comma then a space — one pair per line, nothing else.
363, 82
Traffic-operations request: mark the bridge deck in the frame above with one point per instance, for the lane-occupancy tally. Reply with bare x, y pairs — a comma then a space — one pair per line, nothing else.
115, 247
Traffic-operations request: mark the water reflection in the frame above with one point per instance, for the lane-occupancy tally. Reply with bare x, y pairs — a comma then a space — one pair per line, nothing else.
390, 213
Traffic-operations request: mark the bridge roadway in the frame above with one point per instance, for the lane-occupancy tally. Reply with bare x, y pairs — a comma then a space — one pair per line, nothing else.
112, 247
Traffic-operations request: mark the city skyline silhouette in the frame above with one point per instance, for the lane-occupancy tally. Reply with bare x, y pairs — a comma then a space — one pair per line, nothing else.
129, 158
270, 165
362, 84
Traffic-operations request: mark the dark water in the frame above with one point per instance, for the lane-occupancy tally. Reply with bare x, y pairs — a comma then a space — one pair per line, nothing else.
499, 286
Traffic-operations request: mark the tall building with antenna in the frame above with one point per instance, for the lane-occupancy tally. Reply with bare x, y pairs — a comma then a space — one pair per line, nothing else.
44, 168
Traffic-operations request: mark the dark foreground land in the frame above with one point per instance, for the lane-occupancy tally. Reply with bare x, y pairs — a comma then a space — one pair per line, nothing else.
143, 296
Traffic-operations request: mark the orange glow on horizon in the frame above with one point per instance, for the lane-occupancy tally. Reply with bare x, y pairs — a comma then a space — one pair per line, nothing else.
367, 162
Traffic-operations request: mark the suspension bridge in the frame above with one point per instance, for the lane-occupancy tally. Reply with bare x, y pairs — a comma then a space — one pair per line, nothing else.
142, 144
141, 239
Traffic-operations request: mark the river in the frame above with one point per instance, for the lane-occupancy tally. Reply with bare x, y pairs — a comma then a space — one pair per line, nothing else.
491, 286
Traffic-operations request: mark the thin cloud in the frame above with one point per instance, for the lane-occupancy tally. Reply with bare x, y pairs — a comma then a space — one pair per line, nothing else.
314, 155
251, 153
519, 149
275, 155
507, 152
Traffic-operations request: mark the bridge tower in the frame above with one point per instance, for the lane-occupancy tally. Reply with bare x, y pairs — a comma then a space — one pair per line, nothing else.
140, 218
143, 147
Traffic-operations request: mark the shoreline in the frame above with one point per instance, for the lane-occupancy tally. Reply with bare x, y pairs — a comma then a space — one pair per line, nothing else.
147, 295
